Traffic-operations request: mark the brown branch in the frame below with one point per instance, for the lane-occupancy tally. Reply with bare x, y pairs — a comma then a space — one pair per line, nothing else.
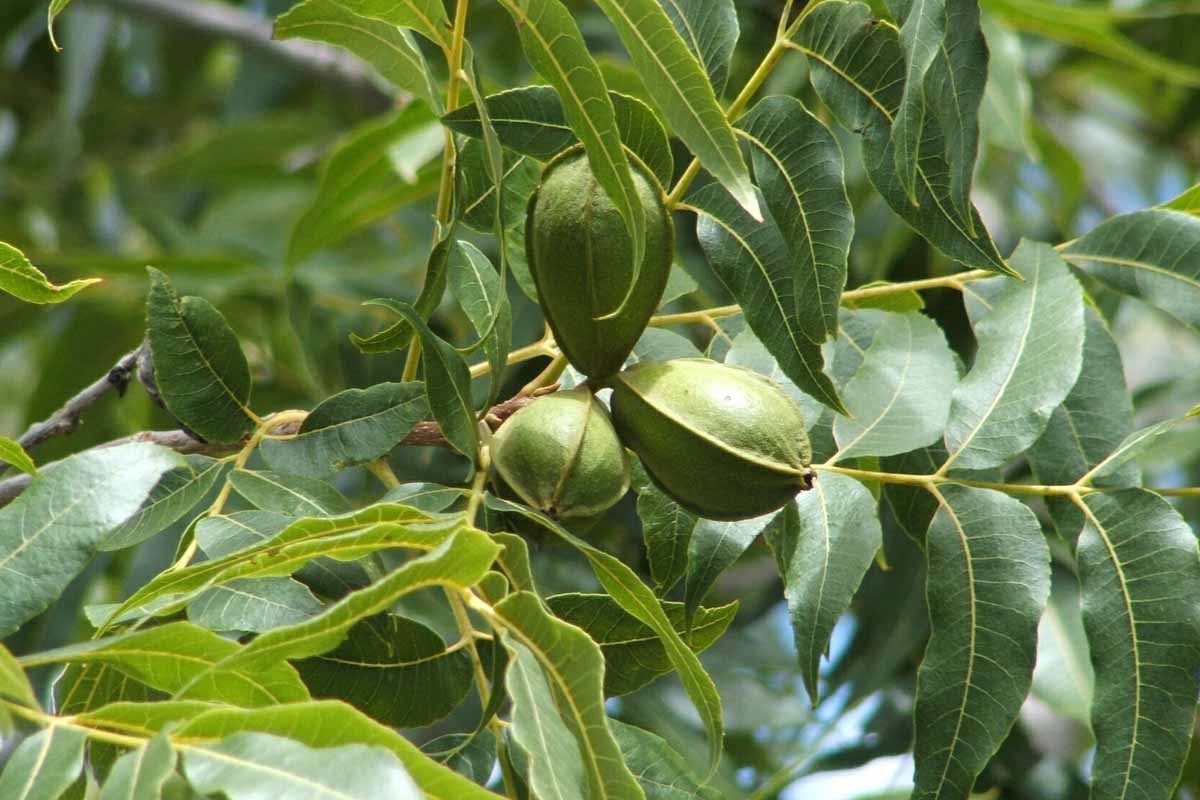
67, 418
424, 434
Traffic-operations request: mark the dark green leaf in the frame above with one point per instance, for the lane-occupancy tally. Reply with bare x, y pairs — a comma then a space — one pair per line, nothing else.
1030, 349
754, 261
987, 583
633, 653
662, 772
714, 547
823, 545
476, 195
555, 48
1089, 425
710, 30
199, 366
922, 31
447, 382
1140, 584
858, 70
798, 166
483, 297
676, 81
667, 530
293, 495
394, 669
352, 427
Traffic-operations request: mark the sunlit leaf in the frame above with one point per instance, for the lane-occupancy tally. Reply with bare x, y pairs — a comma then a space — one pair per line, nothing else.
293, 495
25, 281
51, 531
254, 605
176, 493
427, 17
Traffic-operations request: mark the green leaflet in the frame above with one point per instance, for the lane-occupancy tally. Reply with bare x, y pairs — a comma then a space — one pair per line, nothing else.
1150, 255
201, 371
1030, 350
1139, 582
43, 766
554, 677
52, 530
987, 583
141, 773
710, 30
385, 46
293, 495
12, 453
823, 545
245, 765
177, 492
23, 280
427, 17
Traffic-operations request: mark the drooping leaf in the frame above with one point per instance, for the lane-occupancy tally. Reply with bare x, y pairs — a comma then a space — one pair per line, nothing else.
427, 17
386, 47
1151, 255
176, 493
180, 655
201, 371
857, 68
51, 531
798, 167
554, 680
633, 653
1030, 350
352, 427
13, 682
677, 82
987, 583
1115, 467
913, 506
459, 562
359, 181
254, 605
483, 297
394, 669
293, 495
447, 382
710, 30
555, 48
922, 32
328, 724
1139, 576
476, 195
714, 546
530, 120
667, 530
141, 773
251, 766
1087, 427
623, 584
663, 773
12, 453
43, 766
754, 261
26, 282
823, 544
899, 398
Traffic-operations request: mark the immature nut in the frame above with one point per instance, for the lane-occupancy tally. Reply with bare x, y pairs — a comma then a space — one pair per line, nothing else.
561, 455
581, 259
724, 442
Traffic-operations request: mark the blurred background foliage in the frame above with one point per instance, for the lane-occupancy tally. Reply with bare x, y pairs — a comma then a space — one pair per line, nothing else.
151, 140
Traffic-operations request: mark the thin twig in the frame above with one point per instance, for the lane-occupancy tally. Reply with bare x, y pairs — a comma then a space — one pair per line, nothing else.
67, 418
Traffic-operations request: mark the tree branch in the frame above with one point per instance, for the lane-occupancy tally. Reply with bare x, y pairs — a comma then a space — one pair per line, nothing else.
255, 34
424, 434
67, 418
